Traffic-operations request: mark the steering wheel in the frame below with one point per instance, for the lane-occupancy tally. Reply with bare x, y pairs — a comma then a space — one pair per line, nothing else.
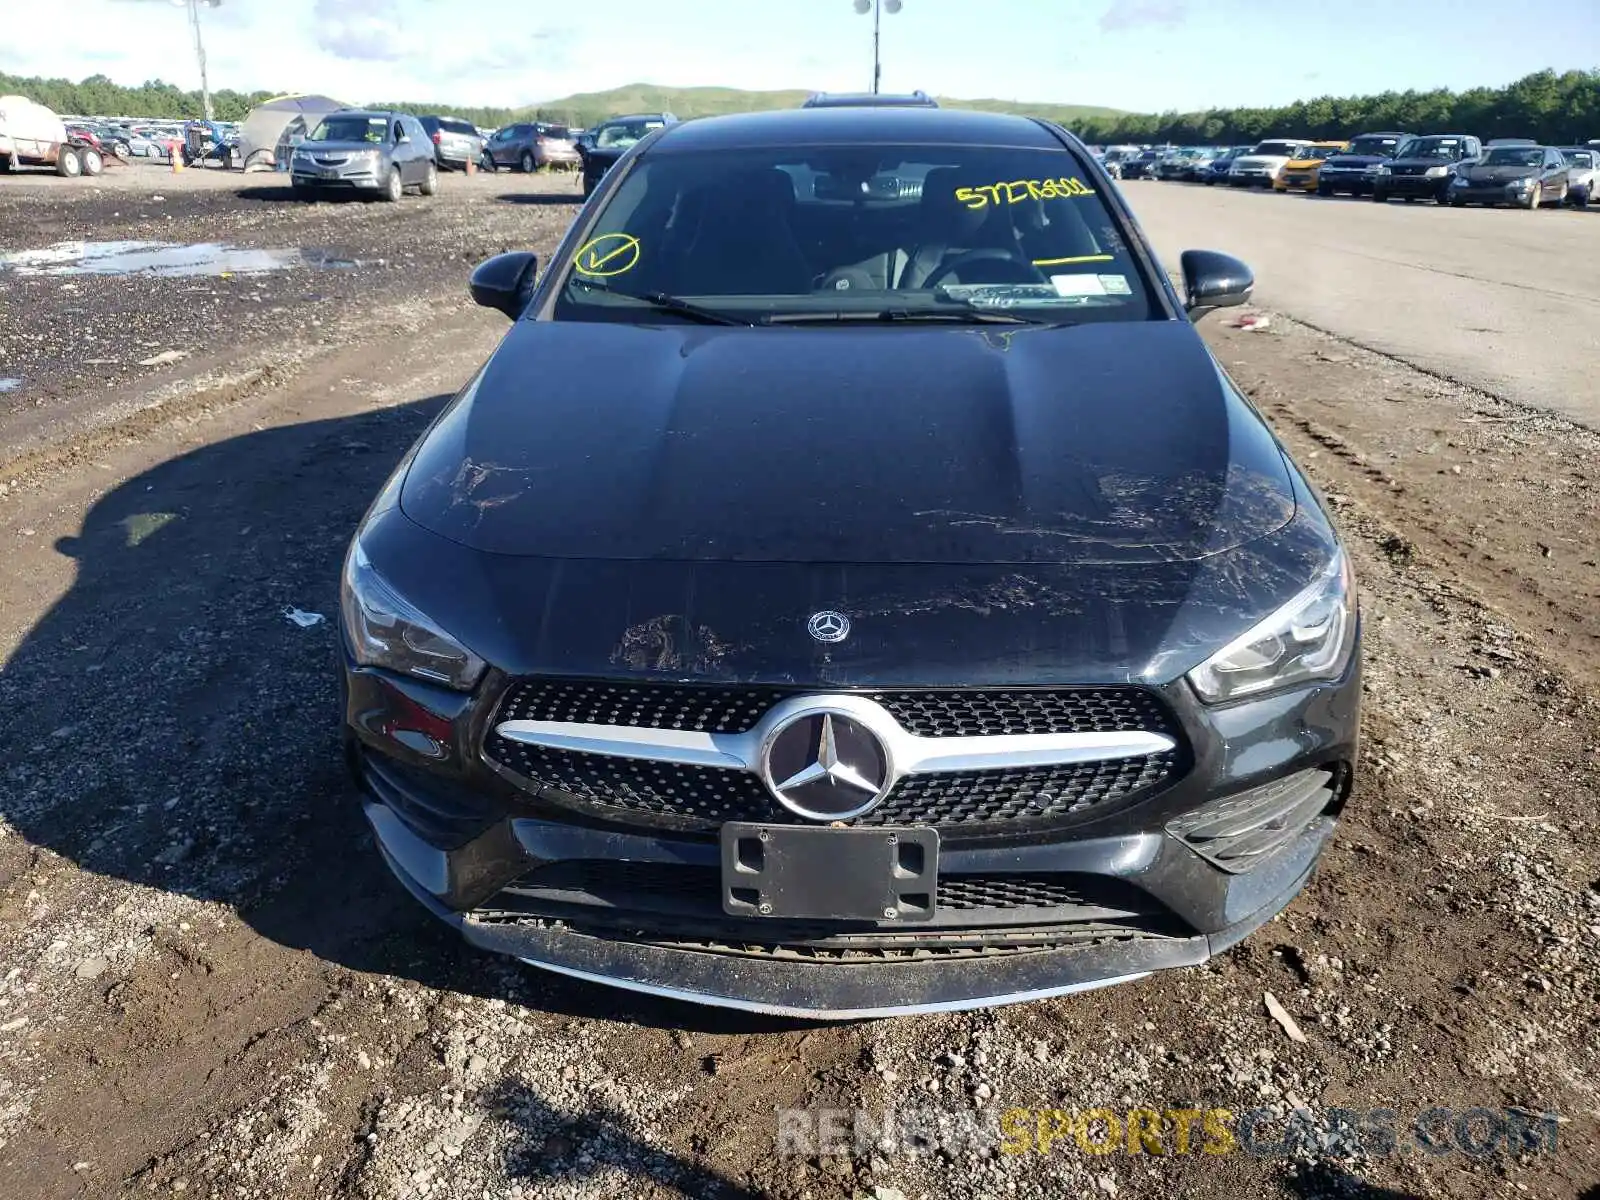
1026, 272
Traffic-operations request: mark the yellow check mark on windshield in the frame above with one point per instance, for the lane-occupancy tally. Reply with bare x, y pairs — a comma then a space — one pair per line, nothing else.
609, 254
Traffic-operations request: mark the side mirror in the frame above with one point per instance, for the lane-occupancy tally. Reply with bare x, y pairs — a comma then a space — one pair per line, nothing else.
505, 282
1212, 280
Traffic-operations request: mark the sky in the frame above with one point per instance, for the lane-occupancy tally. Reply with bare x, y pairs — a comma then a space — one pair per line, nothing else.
1143, 55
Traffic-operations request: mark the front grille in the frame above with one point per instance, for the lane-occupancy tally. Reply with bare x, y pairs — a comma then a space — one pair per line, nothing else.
932, 712
644, 791
706, 797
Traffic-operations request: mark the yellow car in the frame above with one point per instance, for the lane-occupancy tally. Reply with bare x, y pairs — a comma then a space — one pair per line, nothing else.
1300, 174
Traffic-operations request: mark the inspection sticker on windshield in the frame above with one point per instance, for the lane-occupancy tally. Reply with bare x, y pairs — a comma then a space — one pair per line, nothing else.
1078, 285
1115, 285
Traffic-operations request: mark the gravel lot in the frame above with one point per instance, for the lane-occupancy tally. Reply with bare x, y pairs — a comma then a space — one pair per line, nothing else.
209, 985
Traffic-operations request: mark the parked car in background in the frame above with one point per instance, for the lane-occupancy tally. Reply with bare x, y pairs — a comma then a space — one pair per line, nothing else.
1179, 163
1114, 156
1142, 165
1216, 171
1353, 169
612, 139
1424, 166
1583, 174
530, 145
1300, 174
455, 142
379, 154
146, 144
1515, 173
1261, 167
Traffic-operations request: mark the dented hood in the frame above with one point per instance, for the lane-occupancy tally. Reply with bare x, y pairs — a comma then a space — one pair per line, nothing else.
1103, 443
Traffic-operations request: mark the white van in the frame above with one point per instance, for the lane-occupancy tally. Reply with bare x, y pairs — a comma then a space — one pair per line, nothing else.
32, 135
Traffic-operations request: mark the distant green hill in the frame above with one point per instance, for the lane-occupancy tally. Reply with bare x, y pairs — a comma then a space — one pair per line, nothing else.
586, 108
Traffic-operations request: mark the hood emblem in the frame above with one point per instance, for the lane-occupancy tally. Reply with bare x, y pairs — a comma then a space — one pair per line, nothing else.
826, 765
829, 626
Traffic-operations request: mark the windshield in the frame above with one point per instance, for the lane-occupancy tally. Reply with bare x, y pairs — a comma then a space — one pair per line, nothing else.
1373, 144
1434, 147
1277, 149
1317, 153
858, 232
359, 128
1578, 158
1514, 156
619, 135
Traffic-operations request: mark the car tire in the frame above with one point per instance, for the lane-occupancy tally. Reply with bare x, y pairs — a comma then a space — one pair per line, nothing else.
68, 164
526, 162
93, 161
1535, 197
1324, 189
487, 163
430, 181
1578, 196
306, 195
393, 187
121, 151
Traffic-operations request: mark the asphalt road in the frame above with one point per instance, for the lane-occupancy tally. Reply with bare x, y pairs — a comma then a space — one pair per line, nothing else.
1504, 300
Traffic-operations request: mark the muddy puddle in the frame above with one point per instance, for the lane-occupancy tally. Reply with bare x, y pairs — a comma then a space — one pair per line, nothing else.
165, 259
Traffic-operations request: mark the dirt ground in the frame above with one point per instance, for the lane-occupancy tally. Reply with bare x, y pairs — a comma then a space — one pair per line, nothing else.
209, 985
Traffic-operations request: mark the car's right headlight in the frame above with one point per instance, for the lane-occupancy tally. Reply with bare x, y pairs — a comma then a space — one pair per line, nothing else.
1382, 170
386, 630
1309, 638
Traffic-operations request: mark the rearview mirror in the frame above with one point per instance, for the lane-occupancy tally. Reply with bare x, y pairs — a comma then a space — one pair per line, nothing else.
505, 282
1212, 280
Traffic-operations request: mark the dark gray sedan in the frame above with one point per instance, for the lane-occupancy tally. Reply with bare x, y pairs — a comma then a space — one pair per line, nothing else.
1525, 176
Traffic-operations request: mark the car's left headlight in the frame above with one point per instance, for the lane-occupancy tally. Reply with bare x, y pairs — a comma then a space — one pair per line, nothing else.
386, 630
1309, 638
1437, 172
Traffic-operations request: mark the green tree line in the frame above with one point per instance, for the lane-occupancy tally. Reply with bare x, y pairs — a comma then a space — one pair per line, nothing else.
1546, 106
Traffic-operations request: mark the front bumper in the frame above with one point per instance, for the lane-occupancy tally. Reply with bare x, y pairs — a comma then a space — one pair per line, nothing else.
353, 181
516, 874
1490, 193
1414, 185
1356, 182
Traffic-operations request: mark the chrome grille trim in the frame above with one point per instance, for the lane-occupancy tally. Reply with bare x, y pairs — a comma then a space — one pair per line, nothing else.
910, 753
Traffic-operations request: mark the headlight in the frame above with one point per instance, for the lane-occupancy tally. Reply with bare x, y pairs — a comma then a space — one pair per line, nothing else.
1436, 172
1380, 169
1524, 183
1311, 637
385, 630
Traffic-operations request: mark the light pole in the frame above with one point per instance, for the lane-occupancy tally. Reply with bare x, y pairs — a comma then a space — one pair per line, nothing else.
200, 48
877, 8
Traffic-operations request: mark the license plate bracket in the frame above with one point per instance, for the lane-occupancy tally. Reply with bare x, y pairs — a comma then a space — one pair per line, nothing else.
819, 873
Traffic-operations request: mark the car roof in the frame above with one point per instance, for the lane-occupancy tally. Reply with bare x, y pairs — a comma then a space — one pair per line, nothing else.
813, 126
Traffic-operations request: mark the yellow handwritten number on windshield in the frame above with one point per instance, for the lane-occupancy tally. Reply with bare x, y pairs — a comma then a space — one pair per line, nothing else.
608, 254
1019, 190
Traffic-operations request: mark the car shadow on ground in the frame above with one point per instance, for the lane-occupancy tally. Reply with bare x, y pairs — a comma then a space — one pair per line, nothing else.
555, 1148
170, 724
1325, 1179
541, 198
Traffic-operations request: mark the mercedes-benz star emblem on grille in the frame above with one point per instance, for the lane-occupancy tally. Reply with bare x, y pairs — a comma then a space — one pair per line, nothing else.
826, 765
829, 626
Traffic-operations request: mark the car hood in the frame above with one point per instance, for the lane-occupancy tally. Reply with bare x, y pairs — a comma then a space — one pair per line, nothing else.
1498, 174
1101, 443
1355, 160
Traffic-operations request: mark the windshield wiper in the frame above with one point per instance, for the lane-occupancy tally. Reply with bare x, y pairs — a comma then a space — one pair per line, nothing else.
668, 303
965, 316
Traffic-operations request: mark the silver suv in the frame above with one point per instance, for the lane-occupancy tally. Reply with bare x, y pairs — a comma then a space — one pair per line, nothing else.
377, 153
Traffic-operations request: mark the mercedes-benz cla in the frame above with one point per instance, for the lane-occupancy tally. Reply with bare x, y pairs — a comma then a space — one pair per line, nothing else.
852, 587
